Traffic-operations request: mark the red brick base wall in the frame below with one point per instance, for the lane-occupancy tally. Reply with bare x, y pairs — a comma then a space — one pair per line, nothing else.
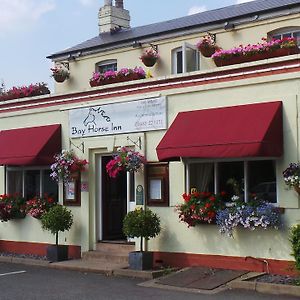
248, 263
34, 248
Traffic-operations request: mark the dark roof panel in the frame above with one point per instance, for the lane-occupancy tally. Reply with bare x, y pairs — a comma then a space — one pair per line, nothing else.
187, 22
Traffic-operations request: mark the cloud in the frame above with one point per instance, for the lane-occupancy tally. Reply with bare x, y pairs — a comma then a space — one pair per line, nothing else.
16, 14
196, 9
243, 1
87, 2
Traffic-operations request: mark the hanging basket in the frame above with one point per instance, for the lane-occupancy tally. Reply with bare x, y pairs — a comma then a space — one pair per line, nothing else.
207, 50
149, 61
60, 78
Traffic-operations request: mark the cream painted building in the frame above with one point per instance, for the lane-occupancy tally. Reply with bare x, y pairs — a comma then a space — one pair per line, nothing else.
147, 116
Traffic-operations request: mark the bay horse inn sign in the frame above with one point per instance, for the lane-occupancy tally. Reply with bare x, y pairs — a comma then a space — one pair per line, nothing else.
124, 117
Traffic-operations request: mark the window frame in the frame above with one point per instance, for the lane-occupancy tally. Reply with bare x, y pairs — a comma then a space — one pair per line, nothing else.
183, 49
188, 162
283, 31
106, 63
158, 171
23, 169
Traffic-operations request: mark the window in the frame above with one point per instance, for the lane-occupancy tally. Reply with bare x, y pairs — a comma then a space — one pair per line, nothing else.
157, 184
30, 182
107, 65
185, 59
239, 178
287, 32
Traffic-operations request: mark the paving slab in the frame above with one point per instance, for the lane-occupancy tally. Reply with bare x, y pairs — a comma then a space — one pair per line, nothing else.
201, 278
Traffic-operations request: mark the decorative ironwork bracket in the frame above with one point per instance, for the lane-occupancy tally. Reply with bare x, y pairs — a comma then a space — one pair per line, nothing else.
79, 147
213, 36
137, 143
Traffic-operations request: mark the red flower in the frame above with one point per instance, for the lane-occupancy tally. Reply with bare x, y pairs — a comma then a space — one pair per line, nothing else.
186, 197
212, 198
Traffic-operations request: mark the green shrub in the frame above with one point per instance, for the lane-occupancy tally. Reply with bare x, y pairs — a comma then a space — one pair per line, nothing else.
58, 218
141, 223
295, 240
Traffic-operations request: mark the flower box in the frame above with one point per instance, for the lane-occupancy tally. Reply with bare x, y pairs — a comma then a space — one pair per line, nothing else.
122, 75
200, 208
249, 53
25, 91
12, 207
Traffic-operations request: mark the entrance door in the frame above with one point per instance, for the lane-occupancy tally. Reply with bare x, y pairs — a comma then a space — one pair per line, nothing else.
114, 203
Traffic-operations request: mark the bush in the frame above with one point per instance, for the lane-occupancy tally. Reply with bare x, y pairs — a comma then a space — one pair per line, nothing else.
58, 218
141, 223
295, 240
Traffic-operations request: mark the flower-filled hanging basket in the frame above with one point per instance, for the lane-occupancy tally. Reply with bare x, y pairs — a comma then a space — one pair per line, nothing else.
125, 160
207, 46
65, 165
149, 57
60, 73
291, 176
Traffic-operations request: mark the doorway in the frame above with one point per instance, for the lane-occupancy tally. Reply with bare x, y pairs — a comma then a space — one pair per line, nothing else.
114, 203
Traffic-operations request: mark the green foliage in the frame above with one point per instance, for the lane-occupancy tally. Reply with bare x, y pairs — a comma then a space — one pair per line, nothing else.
141, 223
58, 218
295, 240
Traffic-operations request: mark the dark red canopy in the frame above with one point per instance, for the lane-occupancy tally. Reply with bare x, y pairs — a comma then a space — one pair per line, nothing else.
30, 146
253, 130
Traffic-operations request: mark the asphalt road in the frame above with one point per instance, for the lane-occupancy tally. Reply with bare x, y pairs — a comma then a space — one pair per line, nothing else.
26, 282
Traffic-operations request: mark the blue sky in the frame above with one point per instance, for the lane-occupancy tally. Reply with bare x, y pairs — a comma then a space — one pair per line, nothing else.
32, 29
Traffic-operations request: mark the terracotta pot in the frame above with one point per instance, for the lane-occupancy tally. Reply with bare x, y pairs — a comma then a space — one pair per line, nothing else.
149, 61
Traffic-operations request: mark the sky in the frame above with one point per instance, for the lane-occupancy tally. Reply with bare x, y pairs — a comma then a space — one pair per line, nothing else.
30, 30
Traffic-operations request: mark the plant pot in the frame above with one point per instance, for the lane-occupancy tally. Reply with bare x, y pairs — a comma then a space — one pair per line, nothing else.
140, 260
57, 253
207, 51
60, 78
149, 61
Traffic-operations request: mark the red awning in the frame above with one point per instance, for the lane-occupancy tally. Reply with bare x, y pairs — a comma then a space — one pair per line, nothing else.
253, 130
30, 146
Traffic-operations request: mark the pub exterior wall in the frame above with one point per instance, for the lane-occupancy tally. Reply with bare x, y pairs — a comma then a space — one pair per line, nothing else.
175, 236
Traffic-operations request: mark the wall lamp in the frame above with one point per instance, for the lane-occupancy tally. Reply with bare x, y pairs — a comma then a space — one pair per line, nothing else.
74, 56
136, 44
228, 26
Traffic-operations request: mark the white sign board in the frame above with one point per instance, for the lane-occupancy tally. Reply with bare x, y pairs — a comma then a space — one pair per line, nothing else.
135, 116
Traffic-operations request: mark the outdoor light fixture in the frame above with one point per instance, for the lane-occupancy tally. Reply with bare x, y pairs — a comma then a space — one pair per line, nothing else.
136, 44
228, 26
74, 56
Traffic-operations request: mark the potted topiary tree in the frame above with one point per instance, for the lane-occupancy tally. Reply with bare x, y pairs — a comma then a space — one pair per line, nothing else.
143, 224
57, 219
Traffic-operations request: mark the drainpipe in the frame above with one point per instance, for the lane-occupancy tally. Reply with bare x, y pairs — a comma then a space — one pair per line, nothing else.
264, 261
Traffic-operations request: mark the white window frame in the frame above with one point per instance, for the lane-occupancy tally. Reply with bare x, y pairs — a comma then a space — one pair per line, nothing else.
188, 162
106, 63
286, 30
183, 49
23, 170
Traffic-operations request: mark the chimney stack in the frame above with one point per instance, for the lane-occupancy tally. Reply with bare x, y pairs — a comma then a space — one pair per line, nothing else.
113, 17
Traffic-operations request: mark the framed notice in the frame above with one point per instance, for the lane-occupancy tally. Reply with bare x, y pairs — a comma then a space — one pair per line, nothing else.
157, 184
72, 191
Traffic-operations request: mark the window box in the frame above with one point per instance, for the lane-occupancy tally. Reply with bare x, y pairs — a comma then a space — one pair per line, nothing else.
265, 50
